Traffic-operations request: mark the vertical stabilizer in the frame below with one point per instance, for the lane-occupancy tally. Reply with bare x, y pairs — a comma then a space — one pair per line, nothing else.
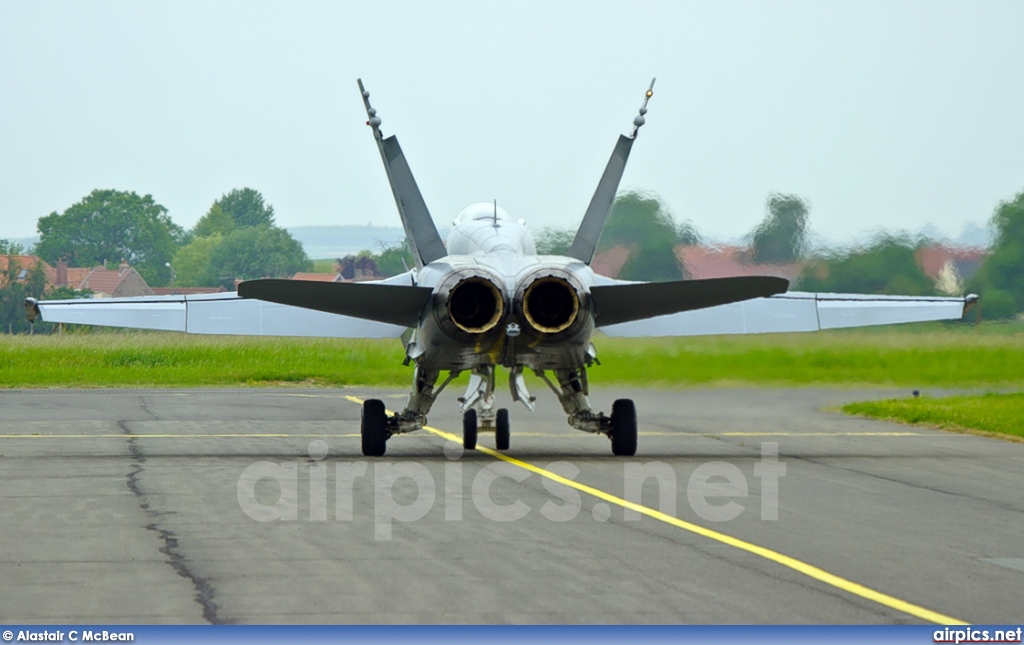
584, 245
424, 240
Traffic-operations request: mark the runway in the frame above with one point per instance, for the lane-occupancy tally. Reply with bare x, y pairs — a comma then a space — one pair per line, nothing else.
255, 506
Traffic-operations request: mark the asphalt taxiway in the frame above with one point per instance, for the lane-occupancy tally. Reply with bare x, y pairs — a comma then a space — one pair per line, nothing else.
242, 506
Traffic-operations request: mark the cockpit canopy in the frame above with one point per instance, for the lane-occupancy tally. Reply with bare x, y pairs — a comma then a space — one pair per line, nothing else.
487, 228
482, 211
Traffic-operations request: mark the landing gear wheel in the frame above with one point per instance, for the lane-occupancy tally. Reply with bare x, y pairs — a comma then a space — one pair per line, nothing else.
374, 428
623, 428
469, 425
502, 429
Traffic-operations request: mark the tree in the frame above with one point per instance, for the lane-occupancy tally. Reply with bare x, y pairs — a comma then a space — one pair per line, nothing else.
643, 222
782, 237
258, 252
889, 266
237, 239
394, 260
14, 288
112, 225
11, 248
245, 207
688, 235
193, 263
554, 241
1002, 274
215, 222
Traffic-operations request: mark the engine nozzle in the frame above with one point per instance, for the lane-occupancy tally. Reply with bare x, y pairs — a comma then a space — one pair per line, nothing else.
475, 305
551, 305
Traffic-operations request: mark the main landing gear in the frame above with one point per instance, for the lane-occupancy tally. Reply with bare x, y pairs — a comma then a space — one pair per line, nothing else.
572, 390
478, 411
374, 428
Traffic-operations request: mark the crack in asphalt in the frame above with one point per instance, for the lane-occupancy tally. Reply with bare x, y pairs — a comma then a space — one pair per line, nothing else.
204, 591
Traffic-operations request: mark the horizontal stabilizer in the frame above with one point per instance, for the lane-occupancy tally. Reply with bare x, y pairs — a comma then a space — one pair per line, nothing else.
797, 311
620, 303
386, 303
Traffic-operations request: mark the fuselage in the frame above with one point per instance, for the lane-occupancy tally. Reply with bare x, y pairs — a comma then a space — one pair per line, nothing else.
496, 302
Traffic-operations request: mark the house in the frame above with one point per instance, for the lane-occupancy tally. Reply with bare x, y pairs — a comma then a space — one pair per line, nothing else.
25, 264
950, 267
609, 263
104, 283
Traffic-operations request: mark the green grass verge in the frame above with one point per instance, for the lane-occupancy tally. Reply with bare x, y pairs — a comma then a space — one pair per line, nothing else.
177, 360
917, 355
1001, 414
921, 356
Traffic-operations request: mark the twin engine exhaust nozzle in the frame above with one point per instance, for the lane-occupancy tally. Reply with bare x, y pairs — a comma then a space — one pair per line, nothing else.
549, 304
475, 305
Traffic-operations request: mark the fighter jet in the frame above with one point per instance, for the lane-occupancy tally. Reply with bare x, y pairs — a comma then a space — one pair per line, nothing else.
484, 298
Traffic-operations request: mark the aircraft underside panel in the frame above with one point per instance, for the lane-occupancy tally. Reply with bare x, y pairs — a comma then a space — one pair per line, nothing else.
795, 312
212, 314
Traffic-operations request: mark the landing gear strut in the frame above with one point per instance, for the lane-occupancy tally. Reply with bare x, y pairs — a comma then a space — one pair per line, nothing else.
620, 427
377, 427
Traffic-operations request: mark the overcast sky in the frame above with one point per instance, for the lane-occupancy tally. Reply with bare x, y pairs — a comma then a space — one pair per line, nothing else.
881, 114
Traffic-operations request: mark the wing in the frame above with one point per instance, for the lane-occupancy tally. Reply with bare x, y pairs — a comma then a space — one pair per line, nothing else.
220, 313
797, 312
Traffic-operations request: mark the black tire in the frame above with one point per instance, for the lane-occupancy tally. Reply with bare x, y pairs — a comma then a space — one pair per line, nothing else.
469, 427
374, 428
623, 428
502, 430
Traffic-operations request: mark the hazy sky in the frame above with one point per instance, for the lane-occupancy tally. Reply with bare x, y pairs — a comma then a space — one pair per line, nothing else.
882, 114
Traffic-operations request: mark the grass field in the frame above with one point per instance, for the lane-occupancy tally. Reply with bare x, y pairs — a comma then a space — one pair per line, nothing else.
986, 356
1001, 414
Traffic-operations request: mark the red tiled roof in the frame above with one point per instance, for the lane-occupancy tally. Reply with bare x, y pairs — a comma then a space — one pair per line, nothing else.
610, 262
102, 280
76, 276
28, 262
106, 281
316, 277
933, 258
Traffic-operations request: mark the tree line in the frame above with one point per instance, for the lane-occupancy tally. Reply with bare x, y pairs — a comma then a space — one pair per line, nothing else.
238, 238
887, 264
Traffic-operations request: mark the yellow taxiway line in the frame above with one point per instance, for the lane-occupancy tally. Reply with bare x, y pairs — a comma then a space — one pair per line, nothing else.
799, 566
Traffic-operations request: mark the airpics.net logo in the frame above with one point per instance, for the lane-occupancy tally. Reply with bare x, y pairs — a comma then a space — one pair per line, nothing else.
407, 491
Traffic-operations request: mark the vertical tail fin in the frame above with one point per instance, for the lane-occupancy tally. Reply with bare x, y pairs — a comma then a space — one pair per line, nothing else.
424, 240
584, 245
